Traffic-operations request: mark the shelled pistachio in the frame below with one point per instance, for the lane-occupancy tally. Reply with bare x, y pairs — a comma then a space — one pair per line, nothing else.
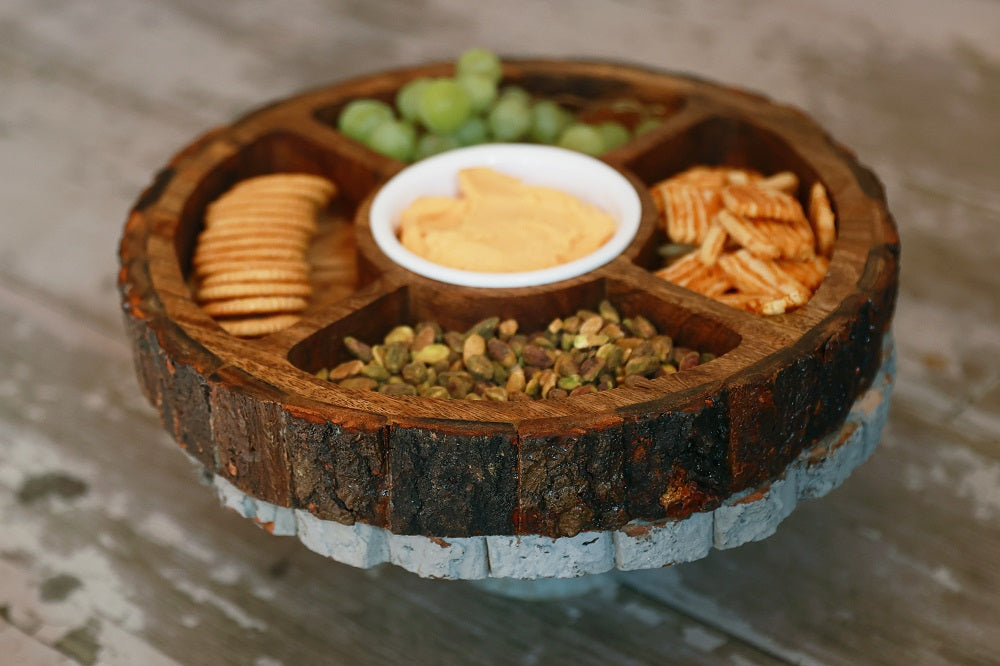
582, 353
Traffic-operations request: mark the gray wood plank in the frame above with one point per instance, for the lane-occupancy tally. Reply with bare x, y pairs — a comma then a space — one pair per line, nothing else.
20, 648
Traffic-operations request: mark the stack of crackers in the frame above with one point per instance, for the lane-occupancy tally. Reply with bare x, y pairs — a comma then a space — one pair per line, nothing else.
250, 267
754, 246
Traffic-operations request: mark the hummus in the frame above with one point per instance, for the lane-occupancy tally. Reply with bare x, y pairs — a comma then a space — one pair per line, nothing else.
500, 225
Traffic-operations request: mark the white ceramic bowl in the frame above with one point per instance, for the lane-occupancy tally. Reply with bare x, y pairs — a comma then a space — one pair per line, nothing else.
588, 179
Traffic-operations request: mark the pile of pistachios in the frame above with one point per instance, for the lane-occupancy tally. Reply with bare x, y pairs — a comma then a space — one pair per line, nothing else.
583, 353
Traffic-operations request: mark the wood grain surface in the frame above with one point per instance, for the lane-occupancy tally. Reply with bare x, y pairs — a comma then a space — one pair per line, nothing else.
111, 550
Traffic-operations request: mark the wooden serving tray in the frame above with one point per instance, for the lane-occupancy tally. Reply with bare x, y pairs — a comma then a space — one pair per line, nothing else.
251, 411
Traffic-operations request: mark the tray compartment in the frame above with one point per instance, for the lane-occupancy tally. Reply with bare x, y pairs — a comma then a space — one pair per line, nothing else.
458, 308
594, 97
332, 255
722, 140
718, 141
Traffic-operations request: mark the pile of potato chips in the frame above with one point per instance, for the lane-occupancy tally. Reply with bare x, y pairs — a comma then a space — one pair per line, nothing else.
755, 247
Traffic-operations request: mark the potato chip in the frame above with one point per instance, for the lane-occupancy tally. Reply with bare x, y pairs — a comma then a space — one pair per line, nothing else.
794, 241
822, 219
686, 210
754, 202
783, 181
810, 273
691, 273
759, 250
752, 275
767, 303
713, 244
747, 235
702, 177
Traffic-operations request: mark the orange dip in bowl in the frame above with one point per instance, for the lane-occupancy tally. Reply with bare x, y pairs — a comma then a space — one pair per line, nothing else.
499, 224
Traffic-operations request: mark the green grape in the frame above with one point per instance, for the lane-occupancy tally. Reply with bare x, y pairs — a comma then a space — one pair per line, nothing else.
515, 92
613, 134
509, 119
646, 125
361, 116
432, 144
627, 105
408, 98
583, 138
472, 132
393, 138
548, 120
482, 91
479, 61
444, 106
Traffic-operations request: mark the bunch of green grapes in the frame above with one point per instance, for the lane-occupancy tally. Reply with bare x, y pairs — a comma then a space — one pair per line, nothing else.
438, 114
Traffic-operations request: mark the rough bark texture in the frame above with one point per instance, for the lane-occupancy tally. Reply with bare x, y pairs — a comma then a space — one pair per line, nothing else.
338, 473
452, 484
572, 481
676, 460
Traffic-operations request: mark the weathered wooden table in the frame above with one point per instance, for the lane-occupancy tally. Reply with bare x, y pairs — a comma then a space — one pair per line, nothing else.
111, 551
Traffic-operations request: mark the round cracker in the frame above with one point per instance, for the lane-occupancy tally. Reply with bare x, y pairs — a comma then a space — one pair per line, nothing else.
220, 267
225, 244
255, 305
318, 199
255, 274
284, 177
259, 231
247, 204
315, 188
308, 189
216, 263
287, 222
262, 212
247, 228
256, 326
246, 255
247, 289
292, 218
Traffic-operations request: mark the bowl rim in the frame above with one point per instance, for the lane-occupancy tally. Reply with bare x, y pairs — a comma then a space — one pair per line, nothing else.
531, 163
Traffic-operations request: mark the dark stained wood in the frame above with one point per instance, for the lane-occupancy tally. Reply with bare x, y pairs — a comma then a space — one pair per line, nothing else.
338, 472
453, 481
252, 411
676, 459
572, 477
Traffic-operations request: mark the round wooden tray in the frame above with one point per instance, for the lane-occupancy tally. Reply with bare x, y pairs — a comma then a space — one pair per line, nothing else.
251, 411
